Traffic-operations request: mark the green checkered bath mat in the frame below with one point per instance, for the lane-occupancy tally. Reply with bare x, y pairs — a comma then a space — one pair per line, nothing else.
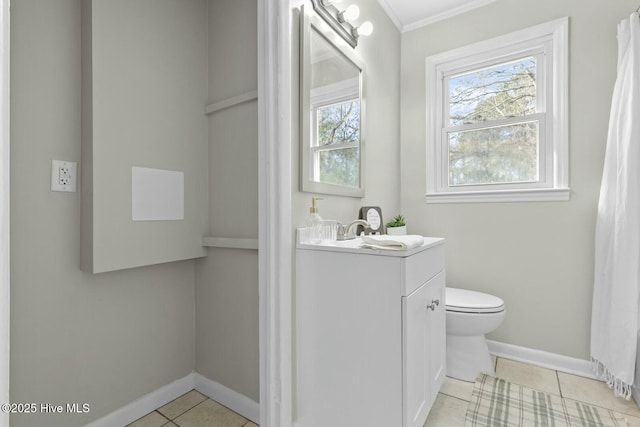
499, 403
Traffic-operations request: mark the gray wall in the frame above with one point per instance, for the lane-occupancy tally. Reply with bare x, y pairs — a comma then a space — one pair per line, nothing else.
106, 339
145, 82
227, 349
381, 54
537, 256
227, 281
110, 338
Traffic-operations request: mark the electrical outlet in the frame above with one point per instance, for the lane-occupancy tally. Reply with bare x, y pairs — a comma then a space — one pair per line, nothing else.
63, 176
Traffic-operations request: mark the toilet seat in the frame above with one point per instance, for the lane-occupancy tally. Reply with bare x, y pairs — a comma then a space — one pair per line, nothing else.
466, 301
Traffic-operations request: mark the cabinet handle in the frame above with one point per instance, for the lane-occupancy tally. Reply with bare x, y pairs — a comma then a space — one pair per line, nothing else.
435, 301
431, 306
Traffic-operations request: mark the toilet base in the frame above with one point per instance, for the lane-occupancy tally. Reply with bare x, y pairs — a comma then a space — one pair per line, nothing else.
467, 357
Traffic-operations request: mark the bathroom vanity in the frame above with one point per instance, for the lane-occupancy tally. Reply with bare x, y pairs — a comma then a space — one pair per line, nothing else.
370, 334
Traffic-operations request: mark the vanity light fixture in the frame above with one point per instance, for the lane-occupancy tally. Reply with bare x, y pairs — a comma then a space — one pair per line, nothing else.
339, 20
365, 29
349, 14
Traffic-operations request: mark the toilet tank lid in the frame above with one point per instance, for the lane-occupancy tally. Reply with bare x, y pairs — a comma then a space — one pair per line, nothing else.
466, 299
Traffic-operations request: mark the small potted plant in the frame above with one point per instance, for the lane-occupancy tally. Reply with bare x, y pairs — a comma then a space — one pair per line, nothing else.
397, 227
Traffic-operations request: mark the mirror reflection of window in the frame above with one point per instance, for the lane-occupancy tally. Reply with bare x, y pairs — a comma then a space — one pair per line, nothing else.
335, 112
335, 157
332, 112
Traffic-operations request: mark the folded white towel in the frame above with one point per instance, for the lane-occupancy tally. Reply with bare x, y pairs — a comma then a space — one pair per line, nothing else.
394, 243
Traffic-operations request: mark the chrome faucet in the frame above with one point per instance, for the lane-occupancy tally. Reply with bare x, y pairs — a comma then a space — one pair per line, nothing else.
347, 233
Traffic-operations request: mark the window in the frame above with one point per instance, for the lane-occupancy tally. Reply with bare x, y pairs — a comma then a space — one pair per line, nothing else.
335, 150
496, 119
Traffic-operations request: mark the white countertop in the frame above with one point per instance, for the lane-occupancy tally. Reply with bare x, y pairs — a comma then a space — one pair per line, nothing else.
355, 246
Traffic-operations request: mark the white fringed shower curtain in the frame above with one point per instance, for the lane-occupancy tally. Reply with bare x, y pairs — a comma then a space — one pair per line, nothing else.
614, 323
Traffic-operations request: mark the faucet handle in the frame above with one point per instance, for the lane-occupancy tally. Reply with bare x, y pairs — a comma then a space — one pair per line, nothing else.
366, 229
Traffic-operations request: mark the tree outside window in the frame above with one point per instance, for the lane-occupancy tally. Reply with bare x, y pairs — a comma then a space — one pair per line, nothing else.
493, 152
336, 157
497, 118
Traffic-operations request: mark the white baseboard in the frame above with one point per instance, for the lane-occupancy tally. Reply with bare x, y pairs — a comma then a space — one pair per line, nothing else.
543, 359
147, 403
229, 398
152, 401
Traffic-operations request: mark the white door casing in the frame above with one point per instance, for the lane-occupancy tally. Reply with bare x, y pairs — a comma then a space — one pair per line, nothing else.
275, 241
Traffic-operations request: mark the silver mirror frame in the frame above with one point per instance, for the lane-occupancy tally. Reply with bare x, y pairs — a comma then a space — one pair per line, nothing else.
308, 23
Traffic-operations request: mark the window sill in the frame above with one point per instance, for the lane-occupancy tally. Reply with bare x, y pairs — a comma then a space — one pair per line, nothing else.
529, 195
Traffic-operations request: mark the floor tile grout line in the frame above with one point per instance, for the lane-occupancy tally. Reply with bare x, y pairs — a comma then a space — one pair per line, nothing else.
247, 421
198, 404
559, 383
455, 397
162, 415
623, 412
601, 407
146, 415
182, 413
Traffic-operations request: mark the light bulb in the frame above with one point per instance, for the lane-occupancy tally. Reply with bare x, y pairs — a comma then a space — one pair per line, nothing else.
365, 29
351, 13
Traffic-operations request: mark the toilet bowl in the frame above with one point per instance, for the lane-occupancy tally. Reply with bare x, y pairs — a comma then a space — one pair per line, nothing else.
470, 315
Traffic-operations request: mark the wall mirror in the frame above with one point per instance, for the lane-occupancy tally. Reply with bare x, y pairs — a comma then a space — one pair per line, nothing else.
331, 111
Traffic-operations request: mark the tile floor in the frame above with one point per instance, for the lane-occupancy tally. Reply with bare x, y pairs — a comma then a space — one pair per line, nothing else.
196, 410
450, 406
192, 410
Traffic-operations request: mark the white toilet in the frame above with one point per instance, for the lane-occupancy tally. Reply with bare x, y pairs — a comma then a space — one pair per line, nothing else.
470, 315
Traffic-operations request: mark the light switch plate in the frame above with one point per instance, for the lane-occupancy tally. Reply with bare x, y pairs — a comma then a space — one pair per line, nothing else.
63, 176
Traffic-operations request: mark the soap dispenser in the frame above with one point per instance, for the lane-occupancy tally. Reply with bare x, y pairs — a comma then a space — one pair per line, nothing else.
314, 221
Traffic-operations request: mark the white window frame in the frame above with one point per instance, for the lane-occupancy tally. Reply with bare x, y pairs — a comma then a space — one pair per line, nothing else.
334, 93
549, 44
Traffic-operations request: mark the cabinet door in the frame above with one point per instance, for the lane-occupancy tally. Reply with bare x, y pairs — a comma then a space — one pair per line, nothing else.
424, 349
437, 335
416, 388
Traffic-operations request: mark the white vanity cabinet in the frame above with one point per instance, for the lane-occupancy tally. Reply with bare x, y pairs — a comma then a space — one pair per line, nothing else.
424, 343
370, 334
